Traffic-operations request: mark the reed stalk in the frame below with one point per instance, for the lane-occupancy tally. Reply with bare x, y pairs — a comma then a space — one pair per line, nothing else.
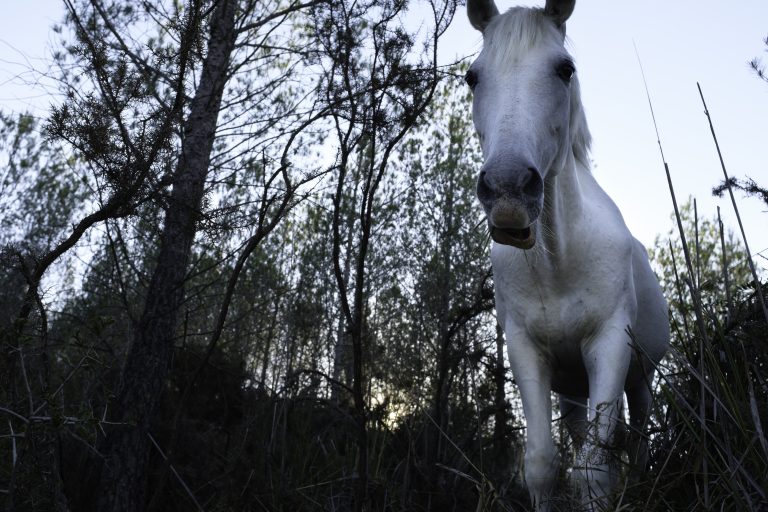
726, 279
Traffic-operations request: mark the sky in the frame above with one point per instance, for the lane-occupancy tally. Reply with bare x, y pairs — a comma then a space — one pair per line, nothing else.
680, 42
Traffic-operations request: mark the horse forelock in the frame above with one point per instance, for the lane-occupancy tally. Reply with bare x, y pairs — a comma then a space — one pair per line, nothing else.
517, 32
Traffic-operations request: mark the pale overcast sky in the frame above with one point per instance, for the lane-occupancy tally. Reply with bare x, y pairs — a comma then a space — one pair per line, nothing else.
680, 42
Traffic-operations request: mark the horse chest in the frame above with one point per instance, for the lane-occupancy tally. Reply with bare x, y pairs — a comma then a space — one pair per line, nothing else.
560, 310
560, 323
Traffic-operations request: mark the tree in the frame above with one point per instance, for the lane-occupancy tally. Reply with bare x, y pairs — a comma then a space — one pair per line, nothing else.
41, 190
123, 478
122, 113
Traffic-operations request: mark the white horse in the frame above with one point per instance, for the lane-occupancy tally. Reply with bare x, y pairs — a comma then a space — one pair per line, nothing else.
571, 281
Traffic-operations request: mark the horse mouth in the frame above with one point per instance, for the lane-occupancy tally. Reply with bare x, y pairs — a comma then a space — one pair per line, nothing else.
520, 238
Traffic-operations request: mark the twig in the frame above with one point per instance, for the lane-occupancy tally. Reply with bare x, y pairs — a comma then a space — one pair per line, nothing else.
14, 456
14, 414
176, 474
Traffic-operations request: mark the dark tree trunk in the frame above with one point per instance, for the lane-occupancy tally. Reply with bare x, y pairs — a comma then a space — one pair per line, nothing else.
268, 347
342, 351
446, 357
127, 445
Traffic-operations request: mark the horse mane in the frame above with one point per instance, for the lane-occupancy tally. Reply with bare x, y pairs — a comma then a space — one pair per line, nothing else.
515, 33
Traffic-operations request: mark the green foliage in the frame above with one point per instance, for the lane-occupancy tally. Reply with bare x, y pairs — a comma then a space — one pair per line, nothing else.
41, 188
709, 255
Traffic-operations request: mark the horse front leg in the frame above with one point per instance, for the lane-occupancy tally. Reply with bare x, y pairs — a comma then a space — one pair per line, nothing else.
533, 378
606, 359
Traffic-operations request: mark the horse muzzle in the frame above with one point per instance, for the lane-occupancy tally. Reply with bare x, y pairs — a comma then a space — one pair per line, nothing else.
511, 223
512, 195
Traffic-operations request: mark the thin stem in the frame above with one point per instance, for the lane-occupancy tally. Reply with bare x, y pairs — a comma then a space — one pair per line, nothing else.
726, 280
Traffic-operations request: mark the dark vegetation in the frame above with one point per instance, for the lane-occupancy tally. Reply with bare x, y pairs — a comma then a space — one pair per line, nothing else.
243, 269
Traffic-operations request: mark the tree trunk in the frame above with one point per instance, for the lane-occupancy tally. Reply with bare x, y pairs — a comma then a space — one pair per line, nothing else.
446, 360
127, 446
342, 351
268, 348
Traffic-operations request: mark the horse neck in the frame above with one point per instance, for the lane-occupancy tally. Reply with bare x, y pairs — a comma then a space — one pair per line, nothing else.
564, 202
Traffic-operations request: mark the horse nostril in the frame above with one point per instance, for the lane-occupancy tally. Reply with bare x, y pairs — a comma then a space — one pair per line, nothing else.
484, 190
532, 184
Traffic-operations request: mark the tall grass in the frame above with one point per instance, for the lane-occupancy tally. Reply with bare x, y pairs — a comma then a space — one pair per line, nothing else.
709, 446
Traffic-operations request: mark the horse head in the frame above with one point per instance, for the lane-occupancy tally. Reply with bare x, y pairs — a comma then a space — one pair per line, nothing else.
526, 110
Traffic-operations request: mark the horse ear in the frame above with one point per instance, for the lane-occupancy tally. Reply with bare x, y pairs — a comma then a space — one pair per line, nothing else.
559, 10
481, 12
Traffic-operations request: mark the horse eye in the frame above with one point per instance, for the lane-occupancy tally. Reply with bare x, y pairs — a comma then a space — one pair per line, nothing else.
471, 79
565, 71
